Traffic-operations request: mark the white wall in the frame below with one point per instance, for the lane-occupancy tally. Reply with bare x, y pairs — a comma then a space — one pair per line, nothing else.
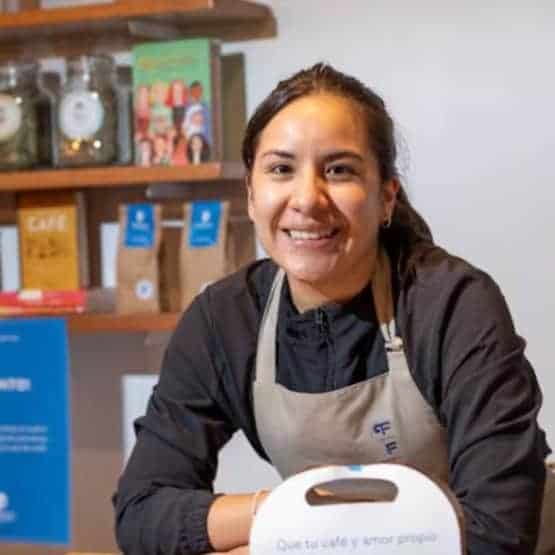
472, 88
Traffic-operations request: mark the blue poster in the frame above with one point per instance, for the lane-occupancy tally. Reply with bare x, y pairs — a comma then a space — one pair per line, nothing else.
34, 432
204, 226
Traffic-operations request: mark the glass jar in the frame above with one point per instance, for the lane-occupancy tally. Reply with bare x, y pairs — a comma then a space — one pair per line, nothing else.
86, 122
125, 114
25, 136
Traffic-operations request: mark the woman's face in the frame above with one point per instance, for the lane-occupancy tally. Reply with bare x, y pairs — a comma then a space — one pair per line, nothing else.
316, 198
196, 143
159, 146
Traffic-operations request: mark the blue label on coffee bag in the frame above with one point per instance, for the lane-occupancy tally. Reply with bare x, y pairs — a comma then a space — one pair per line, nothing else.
204, 224
139, 228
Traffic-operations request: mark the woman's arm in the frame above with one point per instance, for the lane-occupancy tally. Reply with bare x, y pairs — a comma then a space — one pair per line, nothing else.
230, 520
165, 492
488, 398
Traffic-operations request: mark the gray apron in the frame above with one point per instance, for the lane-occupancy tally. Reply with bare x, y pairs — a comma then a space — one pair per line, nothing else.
383, 419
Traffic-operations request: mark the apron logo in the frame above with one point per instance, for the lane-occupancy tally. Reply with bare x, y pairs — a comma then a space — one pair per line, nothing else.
383, 432
391, 447
381, 428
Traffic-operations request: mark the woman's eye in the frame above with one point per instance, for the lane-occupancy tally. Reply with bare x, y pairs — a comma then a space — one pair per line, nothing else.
280, 170
340, 171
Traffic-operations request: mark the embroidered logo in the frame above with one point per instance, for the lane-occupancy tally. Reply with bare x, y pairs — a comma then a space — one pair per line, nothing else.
383, 431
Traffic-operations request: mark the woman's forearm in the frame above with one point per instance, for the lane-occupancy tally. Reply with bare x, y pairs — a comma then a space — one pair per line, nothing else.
230, 519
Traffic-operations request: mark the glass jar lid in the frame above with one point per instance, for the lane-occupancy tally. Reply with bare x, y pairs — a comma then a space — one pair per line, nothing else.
93, 68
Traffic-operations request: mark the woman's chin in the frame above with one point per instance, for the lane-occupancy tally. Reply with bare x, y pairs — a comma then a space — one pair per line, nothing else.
311, 273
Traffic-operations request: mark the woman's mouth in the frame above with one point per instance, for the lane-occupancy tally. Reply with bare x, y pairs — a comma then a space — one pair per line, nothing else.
315, 238
305, 235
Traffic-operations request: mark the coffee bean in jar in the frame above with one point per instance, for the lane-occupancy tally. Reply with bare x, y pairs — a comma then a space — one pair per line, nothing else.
25, 118
86, 131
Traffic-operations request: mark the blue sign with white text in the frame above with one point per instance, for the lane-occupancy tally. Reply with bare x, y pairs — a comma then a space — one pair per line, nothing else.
34, 432
204, 225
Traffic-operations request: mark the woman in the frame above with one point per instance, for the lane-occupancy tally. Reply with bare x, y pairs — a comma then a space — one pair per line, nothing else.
359, 341
198, 149
177, 99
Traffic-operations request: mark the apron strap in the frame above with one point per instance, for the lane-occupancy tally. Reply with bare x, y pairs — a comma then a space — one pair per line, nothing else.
383, 302
266, 346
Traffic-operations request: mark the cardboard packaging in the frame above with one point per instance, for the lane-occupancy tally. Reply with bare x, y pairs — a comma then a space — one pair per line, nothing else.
53, 241
180, 283
381, 509
138, 278
203, 246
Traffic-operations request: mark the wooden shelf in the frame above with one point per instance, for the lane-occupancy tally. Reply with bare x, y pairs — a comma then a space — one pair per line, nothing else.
122, 323
117, 25
117, 176
126, 323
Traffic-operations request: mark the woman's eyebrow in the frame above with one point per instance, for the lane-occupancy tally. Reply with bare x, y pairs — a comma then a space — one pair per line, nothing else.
337, 154
280, 153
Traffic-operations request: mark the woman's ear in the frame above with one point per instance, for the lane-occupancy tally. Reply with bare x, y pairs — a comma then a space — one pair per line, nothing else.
390, 189
248, 184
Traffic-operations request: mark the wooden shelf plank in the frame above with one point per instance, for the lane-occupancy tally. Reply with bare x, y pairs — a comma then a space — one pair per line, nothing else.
117, 176
119, 24
126, 323
122, 323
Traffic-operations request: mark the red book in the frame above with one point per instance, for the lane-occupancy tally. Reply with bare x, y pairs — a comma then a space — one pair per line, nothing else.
35, 301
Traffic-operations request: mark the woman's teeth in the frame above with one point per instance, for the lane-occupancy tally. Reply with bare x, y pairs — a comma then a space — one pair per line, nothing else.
310, 235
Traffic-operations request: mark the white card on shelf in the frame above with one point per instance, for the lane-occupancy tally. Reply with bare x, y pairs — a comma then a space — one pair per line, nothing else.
9, 258
109, 232
136, 391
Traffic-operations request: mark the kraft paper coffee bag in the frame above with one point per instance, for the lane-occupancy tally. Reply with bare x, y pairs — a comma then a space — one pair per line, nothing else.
204, 239
137, 258
241, 243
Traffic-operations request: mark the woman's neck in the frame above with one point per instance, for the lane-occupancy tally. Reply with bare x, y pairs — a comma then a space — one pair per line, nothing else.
308, 295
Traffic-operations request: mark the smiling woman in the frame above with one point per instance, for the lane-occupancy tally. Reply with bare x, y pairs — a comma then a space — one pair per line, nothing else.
317, 198
358, 341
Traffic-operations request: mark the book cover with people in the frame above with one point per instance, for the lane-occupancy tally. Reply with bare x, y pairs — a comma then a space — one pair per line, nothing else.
176, 102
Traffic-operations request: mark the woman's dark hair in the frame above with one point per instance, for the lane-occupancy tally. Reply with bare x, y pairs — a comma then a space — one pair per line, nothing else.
408, 235
205, 149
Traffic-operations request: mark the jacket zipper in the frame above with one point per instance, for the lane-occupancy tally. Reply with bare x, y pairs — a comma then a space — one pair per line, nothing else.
323, 326
322, 321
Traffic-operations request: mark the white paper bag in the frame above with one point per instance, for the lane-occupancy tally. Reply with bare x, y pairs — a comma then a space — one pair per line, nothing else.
420, 518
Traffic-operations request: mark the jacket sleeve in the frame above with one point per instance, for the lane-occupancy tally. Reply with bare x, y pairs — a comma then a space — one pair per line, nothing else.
165, 491
489, 401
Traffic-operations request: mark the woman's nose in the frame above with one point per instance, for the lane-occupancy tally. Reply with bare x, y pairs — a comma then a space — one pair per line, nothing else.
309, 192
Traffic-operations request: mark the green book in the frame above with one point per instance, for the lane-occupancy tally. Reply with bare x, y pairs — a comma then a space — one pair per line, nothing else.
177, 103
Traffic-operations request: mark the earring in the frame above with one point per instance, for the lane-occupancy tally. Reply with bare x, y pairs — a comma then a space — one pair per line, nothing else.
386, 224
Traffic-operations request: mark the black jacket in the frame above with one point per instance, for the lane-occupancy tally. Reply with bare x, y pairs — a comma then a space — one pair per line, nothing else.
462, 351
